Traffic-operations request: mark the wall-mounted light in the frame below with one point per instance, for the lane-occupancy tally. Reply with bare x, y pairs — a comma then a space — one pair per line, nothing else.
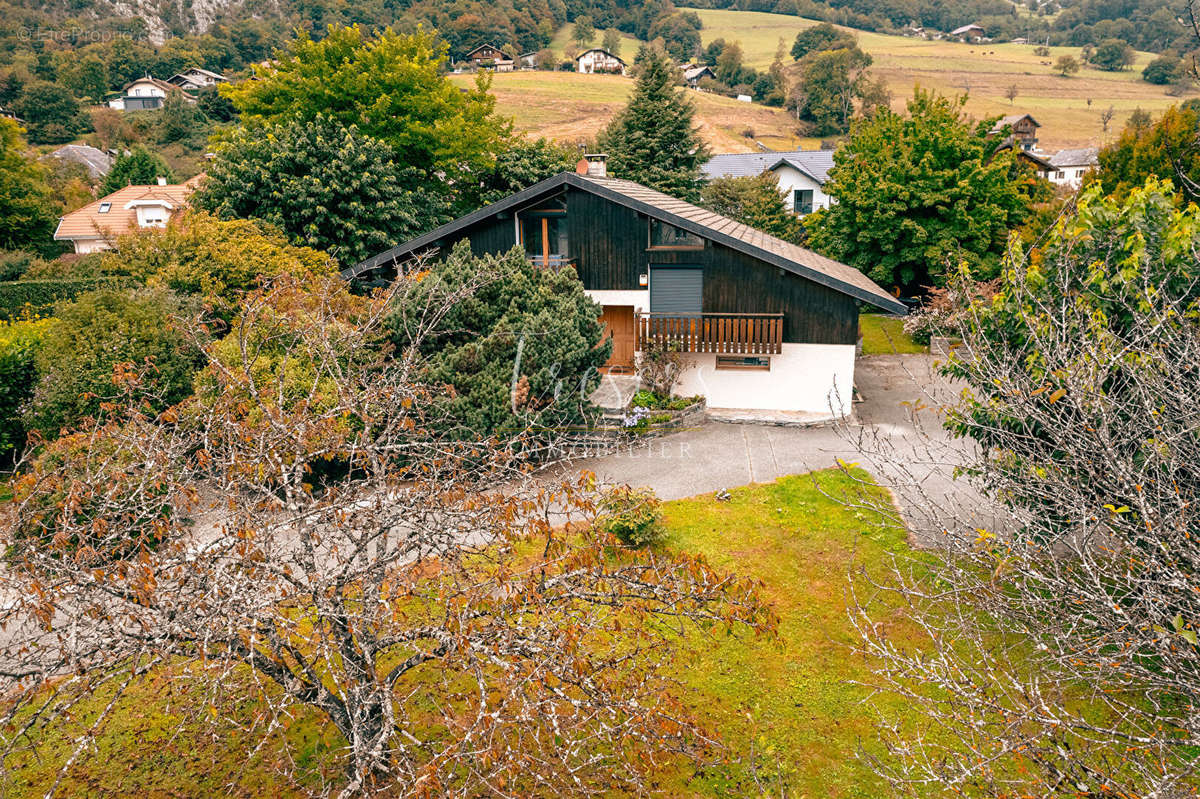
643, 279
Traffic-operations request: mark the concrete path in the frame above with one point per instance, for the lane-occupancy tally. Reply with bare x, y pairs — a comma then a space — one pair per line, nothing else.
896, 435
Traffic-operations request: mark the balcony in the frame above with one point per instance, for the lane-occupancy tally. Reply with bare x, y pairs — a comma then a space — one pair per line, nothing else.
721, 333
552, 261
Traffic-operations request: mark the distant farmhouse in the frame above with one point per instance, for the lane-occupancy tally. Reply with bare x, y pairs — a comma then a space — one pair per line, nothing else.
764, 324
488, 56
195, 78
146, 93
1024, 129
693, 74
599, 60
528, 60
802, 174
969, 33
98, 224
1065, 167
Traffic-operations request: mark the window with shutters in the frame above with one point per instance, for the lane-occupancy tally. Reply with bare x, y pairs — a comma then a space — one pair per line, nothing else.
676, 290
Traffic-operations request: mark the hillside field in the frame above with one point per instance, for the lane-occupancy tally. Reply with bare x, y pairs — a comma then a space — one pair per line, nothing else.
985, 71
570, 108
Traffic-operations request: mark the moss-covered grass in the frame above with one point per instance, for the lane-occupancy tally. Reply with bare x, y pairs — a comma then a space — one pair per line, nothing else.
785, 707
884, 335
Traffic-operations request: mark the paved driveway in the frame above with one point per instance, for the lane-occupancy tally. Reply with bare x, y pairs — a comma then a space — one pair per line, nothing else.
896, 435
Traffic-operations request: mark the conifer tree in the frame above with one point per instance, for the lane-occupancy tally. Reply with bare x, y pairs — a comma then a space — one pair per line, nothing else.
653, 140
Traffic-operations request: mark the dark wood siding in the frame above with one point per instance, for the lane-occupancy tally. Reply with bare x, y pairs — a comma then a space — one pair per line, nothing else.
608, 243
812, 313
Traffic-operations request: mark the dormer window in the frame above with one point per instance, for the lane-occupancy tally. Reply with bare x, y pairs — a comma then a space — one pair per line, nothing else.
104, 207
664, 236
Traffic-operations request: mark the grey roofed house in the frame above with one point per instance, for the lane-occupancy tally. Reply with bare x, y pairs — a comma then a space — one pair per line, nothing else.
815, 163
1085, 156
97, 162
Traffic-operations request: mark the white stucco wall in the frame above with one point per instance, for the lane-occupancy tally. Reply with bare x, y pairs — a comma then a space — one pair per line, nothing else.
85, 246
791, 178
811, 378
640, 300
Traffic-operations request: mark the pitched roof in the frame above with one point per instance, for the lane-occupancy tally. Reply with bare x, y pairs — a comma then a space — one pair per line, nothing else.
89, 222
1013, 119
97, 162
1086, 156
965, 29
655, 204
598, 50
691, 72
814, 163
162, 84
478, 47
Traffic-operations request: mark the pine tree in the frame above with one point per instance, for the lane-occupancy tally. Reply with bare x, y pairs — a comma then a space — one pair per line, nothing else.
653, 141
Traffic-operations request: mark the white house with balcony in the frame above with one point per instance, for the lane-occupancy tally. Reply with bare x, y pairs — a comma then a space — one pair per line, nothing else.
598, 60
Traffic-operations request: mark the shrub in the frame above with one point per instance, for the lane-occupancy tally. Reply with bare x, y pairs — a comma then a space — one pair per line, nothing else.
24, 298
655, 401
18, 343
520, 349
660, 367
90, 337
14, 265
633, 516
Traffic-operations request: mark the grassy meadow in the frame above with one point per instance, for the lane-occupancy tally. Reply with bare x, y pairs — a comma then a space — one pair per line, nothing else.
785, 707
570, 108
985, 71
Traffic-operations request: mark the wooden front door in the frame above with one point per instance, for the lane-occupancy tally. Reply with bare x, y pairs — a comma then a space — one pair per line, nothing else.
619, 325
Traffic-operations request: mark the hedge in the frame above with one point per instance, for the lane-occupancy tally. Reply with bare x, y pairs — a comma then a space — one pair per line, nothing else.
23, 298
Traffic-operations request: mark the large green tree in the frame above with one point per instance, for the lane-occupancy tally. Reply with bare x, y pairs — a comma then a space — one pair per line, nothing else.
1167, 149
523, 163
520, 349
27, 212
831, 82
653, 140
919, 193
1112, 55
820, 37
51, 113
393, 87
756, 201
138, 167
326, 185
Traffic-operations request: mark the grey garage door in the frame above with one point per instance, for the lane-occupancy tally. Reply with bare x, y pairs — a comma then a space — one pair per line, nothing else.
676, 290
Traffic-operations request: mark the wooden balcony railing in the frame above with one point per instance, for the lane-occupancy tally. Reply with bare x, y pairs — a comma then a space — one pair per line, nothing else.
723, 333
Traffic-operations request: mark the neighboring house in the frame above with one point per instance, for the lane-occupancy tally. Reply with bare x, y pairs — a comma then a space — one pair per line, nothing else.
97, 162
488, 56
95, 226
802, 174
145, 93
1024, 129
764, 324
1068, 167
194, 78
528, 60
692, 74
969, 33
599, 60
4, 112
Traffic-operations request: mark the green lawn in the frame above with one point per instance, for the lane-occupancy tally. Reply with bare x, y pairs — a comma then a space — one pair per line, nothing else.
789, 701
884, 335
784, 707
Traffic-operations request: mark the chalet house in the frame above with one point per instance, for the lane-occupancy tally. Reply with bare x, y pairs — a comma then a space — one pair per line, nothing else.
488, 56
1024, 129
600, 60
528, 60
195, 78
145, 93
95, 226
802, 174
764, 324
969, 33
693, 74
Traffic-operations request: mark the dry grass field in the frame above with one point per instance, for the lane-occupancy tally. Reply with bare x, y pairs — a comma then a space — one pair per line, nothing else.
570, 108
984, 71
